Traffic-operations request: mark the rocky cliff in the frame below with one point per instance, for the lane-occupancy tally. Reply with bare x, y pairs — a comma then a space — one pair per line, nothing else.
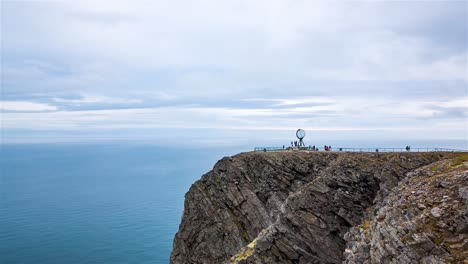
319, 207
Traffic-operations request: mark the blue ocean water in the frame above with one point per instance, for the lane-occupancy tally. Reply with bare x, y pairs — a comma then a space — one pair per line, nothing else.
94, 203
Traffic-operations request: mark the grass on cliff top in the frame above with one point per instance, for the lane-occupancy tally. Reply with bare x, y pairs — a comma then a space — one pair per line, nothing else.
453, 163
460, 159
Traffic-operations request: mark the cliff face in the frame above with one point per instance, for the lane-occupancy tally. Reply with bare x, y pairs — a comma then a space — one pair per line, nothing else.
309, 207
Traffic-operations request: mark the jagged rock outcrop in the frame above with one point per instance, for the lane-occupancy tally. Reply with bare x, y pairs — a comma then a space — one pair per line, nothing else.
299, 207
423, 220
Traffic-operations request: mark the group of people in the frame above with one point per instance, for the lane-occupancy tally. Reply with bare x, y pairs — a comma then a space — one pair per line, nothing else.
326, 148
295, 143
313, 148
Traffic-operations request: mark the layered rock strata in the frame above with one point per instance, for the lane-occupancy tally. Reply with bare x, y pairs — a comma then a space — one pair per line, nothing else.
317, 207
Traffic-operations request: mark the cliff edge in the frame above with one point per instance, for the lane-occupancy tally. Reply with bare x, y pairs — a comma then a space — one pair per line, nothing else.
322, 207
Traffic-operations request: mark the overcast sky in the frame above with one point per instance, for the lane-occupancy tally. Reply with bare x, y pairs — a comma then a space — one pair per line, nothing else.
215, 70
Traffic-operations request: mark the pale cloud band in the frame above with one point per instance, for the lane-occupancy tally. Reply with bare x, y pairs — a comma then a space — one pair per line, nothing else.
361, 114
25, 106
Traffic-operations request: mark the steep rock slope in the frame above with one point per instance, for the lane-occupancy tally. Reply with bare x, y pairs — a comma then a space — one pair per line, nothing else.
424, 220
286, 207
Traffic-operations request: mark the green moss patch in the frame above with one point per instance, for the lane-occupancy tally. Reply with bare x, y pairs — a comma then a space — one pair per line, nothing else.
366, 227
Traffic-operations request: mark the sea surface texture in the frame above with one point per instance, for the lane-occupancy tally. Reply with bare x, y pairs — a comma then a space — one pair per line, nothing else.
82, 203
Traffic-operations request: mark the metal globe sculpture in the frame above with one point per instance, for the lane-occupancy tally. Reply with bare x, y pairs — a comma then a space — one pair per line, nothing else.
300, 134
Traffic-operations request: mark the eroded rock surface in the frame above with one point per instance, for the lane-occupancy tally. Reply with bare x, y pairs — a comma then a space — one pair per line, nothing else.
424, 220
298, 207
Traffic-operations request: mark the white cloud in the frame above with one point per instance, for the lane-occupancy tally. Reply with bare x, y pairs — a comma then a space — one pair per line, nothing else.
451, 68
25, 106
460, 102
294, 101
93, 99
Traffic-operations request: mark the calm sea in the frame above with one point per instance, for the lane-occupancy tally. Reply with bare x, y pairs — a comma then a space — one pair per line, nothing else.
103, 203
94, 203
